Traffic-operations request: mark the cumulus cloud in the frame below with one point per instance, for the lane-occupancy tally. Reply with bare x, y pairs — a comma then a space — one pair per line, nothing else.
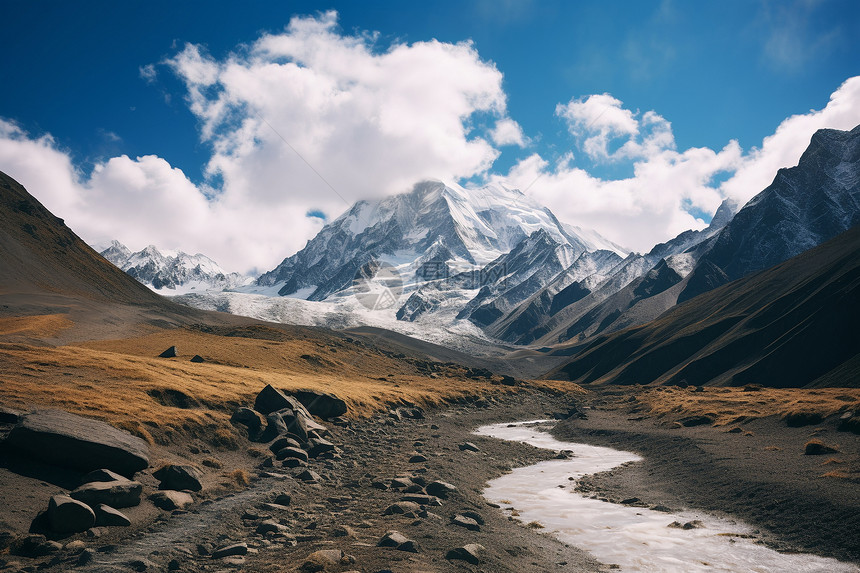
301, 124
667, 186
600, 121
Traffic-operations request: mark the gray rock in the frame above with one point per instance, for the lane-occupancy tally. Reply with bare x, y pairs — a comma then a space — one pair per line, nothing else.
249, 418
169, 500
422, 499
142, 565
102, 475
440, 489
468, 446
309, 476
197, 359
66, 515
65, 439
179, 477
474, 515
283, 499
470, 553
319, 446
107, 516
417, 459
284, 442
271, 399
322, 560
294, 463
169, 353
397, 540
125, 493
402, 507
291, 452
401, 482
34, 546
230, 550
271, 526
321, 404
466, 522
9, 416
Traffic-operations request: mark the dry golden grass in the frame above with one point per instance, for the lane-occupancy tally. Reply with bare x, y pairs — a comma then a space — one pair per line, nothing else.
124, 383
44, 325
835, 474
729, 405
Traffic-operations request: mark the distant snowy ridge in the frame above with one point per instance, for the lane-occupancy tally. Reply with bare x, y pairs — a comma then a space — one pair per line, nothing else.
173, 273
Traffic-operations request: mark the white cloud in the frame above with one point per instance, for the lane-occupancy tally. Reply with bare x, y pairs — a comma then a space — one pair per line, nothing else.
655, 204
371, 122
508, 132
599, 121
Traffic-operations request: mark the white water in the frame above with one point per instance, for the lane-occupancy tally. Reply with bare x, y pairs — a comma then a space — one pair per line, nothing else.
635, 538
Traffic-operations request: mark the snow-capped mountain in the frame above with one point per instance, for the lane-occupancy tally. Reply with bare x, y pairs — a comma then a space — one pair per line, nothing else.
456, 227
177, 272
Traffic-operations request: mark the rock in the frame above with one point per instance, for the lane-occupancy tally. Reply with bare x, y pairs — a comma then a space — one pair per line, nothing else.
691, 421
817, 448
179, 477
319, 446
309, 476
271, 399
65, 439
468, 446
283, 499
849, 422
474, 515
284, 442
470, 553
320, 404
322, 560
397, 540
290, 452
294, 463
249, 418
85, 557
271, 526
343, 531
169, 353
142, 565
169, 500
401, 482
417, 459
9, 416
230, 550
102, 475
197, 359
120, 493
440, 489
66, 515
800, 419
107, 516
402, 507
422, 499
466, 522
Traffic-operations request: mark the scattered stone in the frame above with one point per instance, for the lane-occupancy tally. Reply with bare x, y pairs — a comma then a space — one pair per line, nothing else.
65, 439
67, 515
470, 553
397, 540
402, 507
178, 477
422, 499
294, 463
322, 560
271, 526
630, 501
321, 404
283, 499
34, 546
85, 557
343, 531
466, 522
319, 446
474, 515
169, 353
291, 452
108, 516
468, 446
849, 422
9, 416
169, 500
197, 359
401, 482
142, 565
249, 418
440, 489
284, 442
120, 493
417, 459
691, 421
102, 475
817, 448
270, 399
230, 550
309, 476
800, 419
695, 524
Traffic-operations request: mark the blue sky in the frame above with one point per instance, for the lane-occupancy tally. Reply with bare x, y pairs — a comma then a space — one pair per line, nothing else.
93, 82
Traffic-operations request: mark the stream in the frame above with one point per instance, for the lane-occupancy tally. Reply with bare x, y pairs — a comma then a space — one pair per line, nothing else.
634, 538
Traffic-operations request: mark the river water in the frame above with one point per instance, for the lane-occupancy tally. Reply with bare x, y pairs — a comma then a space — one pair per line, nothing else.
636, 539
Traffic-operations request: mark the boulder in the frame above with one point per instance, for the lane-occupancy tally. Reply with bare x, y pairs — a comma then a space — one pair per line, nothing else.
470, 553
169, 500
108, 516
69, 440
440, 489
270, 399
318, 446
249, 418
397, 540
230, 550
422, 499
322, 560
102, 475
309, 476
179, 477
417, 459
9, 416
35, 546
290, 452
124, 493
321, 404
284, 442
468, 447
466, 522
67, 515
169, 353
402, 507
197, 359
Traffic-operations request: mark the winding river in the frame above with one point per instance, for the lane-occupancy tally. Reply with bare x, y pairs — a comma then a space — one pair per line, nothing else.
634, 538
